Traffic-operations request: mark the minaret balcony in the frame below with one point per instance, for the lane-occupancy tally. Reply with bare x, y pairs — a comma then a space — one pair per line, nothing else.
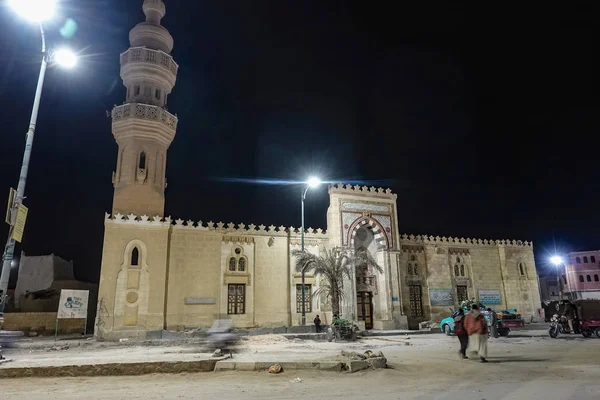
144, 120
143, 61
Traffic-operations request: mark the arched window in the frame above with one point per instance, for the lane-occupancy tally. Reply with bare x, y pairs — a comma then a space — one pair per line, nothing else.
589, 278
135, 257
585, 260
416, 269
242, 264
232, 264
456, 273
142, 160
581, 278
462, 270
521, 269
592, 259
409, 269
578, 260
596, 278
157, 94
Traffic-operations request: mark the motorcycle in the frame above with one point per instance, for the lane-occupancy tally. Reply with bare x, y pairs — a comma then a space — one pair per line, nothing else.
555, 326
221, 336
559, 325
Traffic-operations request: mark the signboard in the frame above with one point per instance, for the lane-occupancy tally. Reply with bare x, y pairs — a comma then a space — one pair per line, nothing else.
73, 304
12, 195
200, 300
441, 297
19, 227
490, 297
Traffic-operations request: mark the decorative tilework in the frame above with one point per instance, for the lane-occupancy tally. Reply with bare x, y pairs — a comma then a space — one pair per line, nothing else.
365, 207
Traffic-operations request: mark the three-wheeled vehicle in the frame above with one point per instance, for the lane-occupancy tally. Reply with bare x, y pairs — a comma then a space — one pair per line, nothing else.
588, 312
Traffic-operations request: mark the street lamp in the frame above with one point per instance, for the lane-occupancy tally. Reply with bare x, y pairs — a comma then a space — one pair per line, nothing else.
312, 183
557, 261
36, 11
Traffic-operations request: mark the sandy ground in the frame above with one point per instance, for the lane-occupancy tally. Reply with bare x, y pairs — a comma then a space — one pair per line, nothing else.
526, 365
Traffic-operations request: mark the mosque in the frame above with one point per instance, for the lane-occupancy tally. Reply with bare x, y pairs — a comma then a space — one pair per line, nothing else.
158, 273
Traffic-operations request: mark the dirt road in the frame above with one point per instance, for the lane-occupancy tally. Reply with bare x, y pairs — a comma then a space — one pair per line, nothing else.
521, 367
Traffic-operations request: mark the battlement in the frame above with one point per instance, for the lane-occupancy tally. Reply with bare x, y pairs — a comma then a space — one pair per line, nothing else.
426, 239
361, 190
219, 227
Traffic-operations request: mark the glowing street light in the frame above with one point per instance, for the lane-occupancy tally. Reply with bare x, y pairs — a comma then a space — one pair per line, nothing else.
312, 183
556, 260
65, 58
34, 10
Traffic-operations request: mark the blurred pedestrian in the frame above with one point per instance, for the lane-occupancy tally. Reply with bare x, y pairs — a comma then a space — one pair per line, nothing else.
493, 323
477, 328
317, 322
463, 337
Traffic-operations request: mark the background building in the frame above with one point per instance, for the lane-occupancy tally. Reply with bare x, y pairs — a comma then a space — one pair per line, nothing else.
583, 275
162, 274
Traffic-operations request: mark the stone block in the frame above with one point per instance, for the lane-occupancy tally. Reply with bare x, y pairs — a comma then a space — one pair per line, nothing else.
225, 366
377, 363
354, 366
280, 330
245, 366
331, 366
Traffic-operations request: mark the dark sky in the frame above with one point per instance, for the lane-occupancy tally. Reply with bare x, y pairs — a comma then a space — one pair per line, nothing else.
480, 119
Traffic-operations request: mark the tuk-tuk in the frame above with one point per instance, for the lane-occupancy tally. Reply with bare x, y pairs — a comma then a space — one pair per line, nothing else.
588, 313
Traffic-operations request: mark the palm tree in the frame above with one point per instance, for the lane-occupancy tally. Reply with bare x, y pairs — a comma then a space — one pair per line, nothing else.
333, 266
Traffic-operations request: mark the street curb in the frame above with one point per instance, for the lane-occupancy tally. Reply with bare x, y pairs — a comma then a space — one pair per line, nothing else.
117, 369
368, 334
264, 365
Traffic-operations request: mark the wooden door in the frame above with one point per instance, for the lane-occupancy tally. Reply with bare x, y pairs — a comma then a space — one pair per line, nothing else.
365, 308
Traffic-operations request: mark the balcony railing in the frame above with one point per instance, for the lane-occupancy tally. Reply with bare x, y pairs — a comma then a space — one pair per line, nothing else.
142, 54
144, 111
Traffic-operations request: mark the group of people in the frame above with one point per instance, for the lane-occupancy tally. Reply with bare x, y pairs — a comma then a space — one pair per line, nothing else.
472, 328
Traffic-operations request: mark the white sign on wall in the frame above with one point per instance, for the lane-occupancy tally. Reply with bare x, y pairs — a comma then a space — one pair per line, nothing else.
490, 297
73, 304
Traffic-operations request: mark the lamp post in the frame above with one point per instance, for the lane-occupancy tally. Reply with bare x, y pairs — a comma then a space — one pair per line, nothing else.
312, 182
36, 11
557, 261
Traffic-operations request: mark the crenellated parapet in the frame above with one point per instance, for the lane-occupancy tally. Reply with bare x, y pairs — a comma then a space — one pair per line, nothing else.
361, 190
428, 239
218, 227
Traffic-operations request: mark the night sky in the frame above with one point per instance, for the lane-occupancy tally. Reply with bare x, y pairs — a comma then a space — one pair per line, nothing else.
479, 119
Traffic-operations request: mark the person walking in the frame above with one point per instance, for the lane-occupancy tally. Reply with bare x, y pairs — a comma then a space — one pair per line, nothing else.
463, 337
317, 322
494, 323
477, 328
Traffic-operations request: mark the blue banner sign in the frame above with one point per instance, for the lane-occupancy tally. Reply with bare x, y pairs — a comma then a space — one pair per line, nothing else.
490, 297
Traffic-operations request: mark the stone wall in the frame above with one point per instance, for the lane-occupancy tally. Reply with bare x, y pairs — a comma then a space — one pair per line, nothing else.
131, 299
42, 323
505, 267
194, 272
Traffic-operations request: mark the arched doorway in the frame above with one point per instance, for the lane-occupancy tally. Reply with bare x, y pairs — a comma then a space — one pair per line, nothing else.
366, 277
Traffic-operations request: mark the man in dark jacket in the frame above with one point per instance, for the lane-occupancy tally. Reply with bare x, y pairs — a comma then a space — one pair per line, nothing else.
463, 337
317, 322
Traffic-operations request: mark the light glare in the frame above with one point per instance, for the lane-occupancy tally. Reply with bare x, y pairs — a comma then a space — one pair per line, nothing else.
556, 260
313, 182
65, 58
34, 10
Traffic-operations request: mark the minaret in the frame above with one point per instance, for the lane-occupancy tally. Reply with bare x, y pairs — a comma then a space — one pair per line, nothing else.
142, 126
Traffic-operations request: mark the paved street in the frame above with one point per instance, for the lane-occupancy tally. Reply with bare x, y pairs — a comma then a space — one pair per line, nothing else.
526, 365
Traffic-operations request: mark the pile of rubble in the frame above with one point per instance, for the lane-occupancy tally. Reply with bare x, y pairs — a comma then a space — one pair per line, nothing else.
357, 361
